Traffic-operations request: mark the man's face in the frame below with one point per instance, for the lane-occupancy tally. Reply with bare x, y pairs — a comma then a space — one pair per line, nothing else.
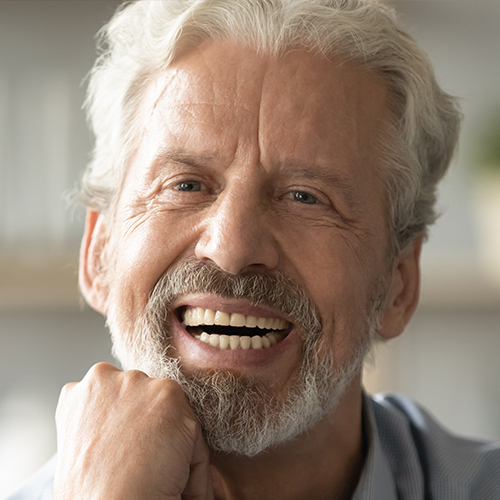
255, 165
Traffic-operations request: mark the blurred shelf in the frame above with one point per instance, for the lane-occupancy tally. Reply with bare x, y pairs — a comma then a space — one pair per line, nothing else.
447, 282
456, 281
33, 285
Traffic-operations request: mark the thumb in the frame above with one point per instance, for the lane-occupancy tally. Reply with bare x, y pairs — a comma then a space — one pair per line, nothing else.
199, 485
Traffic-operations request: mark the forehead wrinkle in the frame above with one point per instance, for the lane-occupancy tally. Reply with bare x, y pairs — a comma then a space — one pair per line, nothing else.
261, 116
165, 81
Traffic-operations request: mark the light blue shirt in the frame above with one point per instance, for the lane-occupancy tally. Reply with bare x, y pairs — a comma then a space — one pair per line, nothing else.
410, 457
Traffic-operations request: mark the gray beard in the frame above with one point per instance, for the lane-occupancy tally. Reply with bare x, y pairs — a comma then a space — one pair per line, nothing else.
237, 413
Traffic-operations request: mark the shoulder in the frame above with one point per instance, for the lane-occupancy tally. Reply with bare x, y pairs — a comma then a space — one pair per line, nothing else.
40, 486
411, 438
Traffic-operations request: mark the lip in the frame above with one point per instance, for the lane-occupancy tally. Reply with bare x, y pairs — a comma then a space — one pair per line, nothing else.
242, 306
201, 355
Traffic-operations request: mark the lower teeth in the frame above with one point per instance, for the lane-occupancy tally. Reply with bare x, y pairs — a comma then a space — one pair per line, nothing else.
233, 342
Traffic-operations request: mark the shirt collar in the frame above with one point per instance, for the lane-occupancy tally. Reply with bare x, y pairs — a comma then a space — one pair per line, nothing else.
376, 481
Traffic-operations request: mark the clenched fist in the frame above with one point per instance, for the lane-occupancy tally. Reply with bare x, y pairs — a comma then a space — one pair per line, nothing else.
124, 435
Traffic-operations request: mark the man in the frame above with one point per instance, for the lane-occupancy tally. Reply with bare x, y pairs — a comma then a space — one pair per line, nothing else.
262, 181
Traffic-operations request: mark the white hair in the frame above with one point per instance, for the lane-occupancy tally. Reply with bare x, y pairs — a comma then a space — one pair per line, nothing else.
144, 36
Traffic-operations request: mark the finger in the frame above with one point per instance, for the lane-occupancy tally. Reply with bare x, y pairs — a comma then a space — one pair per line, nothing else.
63, 396
199, 485
100, 370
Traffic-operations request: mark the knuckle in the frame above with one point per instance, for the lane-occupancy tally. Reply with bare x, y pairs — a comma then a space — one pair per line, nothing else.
100, 370
176, 413
170, 390
134, 376
66, 390
98, 374
65, 397
167, 397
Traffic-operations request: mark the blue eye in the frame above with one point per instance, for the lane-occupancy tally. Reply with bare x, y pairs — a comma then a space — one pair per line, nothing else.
306, 198
189, 186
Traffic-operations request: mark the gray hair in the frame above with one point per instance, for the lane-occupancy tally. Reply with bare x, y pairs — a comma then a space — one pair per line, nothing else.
144, 36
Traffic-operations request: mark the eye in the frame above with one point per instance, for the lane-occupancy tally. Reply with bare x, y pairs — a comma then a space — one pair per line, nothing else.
303, 197
189, 186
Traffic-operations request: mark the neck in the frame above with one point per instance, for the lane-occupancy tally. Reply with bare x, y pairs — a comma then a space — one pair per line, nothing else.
324, 463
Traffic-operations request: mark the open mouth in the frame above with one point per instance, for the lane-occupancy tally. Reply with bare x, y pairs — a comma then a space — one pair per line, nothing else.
233, 331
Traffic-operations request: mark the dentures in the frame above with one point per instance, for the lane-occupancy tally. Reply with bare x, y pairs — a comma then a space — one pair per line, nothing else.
234, 331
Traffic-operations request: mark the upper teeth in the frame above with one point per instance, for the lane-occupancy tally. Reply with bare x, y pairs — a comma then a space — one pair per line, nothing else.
195, 316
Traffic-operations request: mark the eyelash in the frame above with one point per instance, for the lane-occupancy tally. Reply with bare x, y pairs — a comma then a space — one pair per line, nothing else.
301, 196
178, 186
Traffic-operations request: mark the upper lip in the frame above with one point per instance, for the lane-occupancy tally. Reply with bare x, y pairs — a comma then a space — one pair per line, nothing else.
216, 303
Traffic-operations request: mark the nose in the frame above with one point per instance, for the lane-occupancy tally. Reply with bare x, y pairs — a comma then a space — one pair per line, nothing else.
236, 234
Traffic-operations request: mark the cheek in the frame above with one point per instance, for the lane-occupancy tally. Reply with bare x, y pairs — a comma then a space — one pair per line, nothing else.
142, 255
332, 270
341, 285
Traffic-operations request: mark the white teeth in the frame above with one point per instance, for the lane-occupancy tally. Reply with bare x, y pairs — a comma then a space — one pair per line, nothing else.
244, 342
261, 323
256, 342
251, 322
188, 316
221, 318
269, 323
237, 319
196, 316
209, 317
223, 341
234, 341
200, 315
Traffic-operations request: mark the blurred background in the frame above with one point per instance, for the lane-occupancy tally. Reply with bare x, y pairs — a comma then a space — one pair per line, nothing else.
448, 359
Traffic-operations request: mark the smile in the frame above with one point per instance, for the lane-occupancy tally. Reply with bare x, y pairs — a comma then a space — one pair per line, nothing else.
233, 331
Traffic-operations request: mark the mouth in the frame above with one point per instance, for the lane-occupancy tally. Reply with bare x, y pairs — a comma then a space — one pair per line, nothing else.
233, 331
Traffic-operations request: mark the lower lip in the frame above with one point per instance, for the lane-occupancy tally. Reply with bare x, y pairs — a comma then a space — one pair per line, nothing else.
206, 356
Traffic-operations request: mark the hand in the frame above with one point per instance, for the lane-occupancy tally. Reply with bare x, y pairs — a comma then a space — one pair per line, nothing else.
123, 435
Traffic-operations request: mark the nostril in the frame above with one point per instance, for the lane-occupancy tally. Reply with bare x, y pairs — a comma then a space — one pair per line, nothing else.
239, 251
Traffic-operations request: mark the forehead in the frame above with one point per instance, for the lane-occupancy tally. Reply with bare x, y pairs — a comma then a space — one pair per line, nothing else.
222, 100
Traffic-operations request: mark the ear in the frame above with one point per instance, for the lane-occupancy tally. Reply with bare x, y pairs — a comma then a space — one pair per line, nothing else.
92, 275
403, 292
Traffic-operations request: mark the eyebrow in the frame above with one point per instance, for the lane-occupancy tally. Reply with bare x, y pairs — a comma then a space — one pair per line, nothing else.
299, 168
182, 158
324, 173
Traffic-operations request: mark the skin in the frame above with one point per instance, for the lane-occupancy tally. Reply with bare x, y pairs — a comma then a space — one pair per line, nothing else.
259, 137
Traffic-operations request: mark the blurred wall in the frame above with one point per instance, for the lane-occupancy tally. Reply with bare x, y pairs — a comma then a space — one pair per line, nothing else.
46, 337
448, 358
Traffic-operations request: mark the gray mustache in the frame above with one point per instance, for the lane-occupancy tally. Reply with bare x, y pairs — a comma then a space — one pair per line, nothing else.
273, 290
